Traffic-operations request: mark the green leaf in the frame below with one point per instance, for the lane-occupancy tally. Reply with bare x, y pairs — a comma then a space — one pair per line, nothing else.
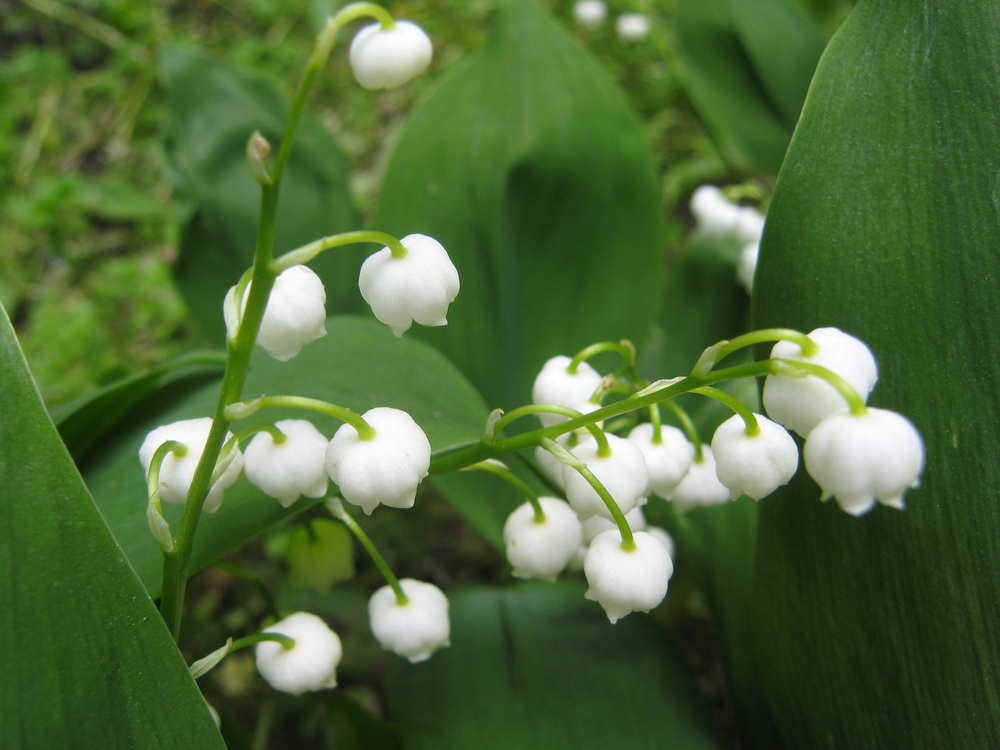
885, 223
320, 554
747, 65
213, 111
529, 167
87, 660
358, 364
537, 666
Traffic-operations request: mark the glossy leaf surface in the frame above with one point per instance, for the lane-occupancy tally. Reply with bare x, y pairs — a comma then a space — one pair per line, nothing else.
87, 660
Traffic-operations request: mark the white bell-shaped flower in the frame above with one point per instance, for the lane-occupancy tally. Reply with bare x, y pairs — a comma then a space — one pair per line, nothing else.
295, 314
385, 469
542, 549
663, 538
414, 630
590, 13
799, 403
754, 465
554, 384
746, 265
631, 27
310, 664
863, 458
666, 461
595, 525
622, 472
415, 288
387, 58
626, 581
177, 472
701, 485
294, 467
713, 212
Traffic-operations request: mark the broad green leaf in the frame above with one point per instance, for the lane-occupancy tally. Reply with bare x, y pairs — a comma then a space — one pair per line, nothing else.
358, 364
746, 66
84, 422
881, 631
213, 111
528, 166
537, 666
320, 554
87, 660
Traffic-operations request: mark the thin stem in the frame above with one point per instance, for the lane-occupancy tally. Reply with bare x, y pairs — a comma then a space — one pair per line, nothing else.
158, 525
603, 449
717, 352
277, 436
243, 409
306, 253
628, 541
496, 467
286, 642
336, 507
624, 348
845, 389
687, 425
748, 417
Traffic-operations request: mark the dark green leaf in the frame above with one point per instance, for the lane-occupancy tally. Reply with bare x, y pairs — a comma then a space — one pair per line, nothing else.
747, 66
537, 666
528, 166
87, 661
358, 364
213, 111
881, 631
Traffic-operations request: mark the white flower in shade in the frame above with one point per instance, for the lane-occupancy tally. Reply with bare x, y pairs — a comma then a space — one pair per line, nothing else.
549, 464
863, 458
414, 630
295, 314
754, 465
177, 472
715, 215
542, 549
415, 288
663, 538
622, 472
799, 403
626, 581
746, 265
387, 58
294, 467
749, 224
701, 485
385, 469
311, 664
590, 13
554, 384
631, 27
666, 461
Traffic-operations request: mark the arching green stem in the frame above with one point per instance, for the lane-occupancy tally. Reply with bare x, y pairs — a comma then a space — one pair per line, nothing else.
336, 507
499, 469
603, 449
158, 524
717, 352
276, 434
302, 255
243, 409
748, 417
204, 665
625, 348
687, 425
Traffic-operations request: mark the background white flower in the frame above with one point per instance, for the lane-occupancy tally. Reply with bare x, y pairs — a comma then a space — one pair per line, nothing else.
701, 485
542, 549
623, 474
590, 13
555, 385
667, 461
294, 467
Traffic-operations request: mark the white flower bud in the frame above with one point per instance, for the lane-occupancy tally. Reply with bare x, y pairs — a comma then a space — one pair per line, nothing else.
862, 458
177, 472
415, 288
626, 581
294, 467
590, 13
295, 314
746, 266
701, 485
667, 461
799, 403
385, 469
622, 472
387, 58
311, 664
542, 549
555, 385
631, 27
414, 630
754, 465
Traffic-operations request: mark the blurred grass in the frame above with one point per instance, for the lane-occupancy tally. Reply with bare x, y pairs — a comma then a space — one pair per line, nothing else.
87, 220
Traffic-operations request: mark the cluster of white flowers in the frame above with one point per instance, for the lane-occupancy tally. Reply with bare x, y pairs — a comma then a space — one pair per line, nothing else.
718, 217
629, 27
